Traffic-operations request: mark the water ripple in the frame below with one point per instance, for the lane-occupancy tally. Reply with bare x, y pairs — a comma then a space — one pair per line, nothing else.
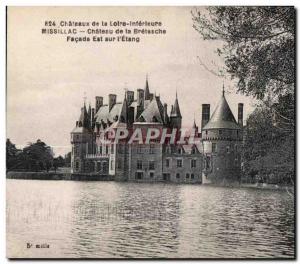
128, 220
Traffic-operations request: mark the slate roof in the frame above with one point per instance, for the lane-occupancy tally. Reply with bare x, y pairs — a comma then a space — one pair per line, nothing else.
104, 114
78, 129
222, 117
153, 110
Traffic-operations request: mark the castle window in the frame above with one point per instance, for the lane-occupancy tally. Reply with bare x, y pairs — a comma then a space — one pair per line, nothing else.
120, 149
207, 162
168, 149
77, 137
214, 147
138, 175
179, 150
105, 167
237, 133
151, 174
77, 165
193, 151
119, 164
151, 165
167, 163
193, 163
106, 150
76, 150
112, 149
206, 132
139, 149
192, 176
151, 150
187, 175
100, 150
177, 176
139, 165
236, 162
179, 163
228, 149
111, 164
98, 167
220, 132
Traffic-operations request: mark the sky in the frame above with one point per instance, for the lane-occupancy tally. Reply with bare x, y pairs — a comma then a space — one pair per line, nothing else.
48, 77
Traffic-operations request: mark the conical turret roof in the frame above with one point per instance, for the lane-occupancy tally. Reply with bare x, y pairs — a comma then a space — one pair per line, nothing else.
147, 91
175, 112
222, 117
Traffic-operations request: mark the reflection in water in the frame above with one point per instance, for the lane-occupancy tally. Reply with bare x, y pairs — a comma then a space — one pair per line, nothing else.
117, 220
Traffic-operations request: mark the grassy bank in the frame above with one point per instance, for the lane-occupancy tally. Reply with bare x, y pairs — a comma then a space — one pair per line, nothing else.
43, 175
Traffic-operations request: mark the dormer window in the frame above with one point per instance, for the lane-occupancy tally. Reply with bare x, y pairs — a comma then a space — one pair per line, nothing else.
179, 151
220, 132
193, 151
154, 119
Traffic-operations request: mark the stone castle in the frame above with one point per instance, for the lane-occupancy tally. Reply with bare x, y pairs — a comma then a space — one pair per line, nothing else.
213, 156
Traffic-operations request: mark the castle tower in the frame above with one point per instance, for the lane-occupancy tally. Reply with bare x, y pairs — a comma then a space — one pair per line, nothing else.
222, 140
82, 141
175, 116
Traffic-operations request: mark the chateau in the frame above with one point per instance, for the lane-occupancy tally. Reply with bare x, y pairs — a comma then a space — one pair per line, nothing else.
138, 139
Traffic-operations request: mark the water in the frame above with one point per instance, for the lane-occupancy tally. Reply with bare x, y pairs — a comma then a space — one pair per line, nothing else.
132, 220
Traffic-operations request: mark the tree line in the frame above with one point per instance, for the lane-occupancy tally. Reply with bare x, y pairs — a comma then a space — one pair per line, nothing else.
36, 156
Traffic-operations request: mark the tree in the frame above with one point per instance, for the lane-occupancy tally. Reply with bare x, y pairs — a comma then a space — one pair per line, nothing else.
68, 159
38, 156
259, 46
259, 53
58, 162
267, 149
13, 155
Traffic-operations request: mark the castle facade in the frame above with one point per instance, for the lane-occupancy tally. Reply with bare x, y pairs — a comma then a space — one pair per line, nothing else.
138, 139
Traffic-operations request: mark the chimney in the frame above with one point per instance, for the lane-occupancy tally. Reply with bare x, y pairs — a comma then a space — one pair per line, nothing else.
93, 117
130, 97
140, 97
240, 114
205, 115
165, 113
99, 102
112, 98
